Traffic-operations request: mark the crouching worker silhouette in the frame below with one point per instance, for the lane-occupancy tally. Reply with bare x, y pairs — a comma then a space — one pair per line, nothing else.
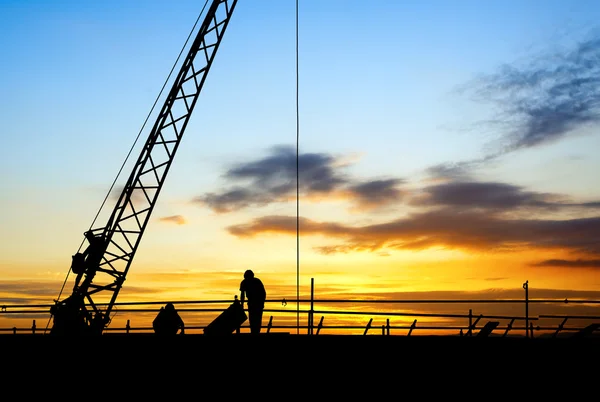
168, 321
253, 289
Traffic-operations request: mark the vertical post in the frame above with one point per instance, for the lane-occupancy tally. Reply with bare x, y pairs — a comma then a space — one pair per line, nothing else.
531, 330
235, 300
526, 287
388, 326
127, 327
33, 328
470, 333
270, 324
311, 313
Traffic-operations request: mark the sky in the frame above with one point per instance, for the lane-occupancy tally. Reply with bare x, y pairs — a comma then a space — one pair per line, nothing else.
446, 149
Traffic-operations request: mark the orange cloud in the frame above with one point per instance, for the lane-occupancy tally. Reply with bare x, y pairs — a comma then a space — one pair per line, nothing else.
445, 228
579, 263
177, 219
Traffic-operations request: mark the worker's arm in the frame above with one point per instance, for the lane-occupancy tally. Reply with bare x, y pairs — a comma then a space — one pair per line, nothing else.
242, 298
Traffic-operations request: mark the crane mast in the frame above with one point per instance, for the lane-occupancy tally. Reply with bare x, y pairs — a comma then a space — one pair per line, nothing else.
102, 268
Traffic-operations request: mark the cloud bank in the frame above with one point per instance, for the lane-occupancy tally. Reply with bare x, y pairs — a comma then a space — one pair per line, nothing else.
474, 231
456, 212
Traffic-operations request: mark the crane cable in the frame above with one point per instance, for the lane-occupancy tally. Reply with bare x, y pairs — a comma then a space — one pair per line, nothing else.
297, 186
136, 140
150, 112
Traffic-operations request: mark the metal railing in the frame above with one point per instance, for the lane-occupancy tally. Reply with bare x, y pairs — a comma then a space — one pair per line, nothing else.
339, 321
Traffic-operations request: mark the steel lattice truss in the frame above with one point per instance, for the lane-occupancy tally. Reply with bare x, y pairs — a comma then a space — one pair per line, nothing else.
132, 212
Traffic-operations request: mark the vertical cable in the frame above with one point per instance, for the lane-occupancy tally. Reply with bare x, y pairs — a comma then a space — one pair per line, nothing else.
297, 187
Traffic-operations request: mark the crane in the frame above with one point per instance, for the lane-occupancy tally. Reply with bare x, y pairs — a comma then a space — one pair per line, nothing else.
102, 267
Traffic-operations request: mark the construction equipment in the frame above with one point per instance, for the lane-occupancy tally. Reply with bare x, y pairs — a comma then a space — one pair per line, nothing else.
102, 268
228, 321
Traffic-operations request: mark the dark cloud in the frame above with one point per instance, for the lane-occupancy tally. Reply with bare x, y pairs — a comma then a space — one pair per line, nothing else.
546, 99
492, 195
274, 179
569, 263
445, 228
377, 192
277, 172
485, 195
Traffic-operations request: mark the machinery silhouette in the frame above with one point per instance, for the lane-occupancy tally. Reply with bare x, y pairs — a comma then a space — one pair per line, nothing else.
102, 267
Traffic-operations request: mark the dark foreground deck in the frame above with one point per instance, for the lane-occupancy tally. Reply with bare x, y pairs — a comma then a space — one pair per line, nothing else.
284, 348
336, 362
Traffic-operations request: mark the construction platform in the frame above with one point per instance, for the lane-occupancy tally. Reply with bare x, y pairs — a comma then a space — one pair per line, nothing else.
326, 367
376, 348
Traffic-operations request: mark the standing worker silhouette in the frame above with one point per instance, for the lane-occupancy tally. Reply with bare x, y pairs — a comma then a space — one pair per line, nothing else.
253, 289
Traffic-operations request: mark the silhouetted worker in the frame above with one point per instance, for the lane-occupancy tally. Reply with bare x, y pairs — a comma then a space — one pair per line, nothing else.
253, 289
168, 321
88, 262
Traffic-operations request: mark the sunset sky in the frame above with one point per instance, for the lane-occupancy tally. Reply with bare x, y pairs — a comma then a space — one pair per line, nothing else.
445, 147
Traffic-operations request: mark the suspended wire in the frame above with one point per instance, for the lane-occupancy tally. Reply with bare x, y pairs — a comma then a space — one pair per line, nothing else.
149, 113
297, 185
136, 140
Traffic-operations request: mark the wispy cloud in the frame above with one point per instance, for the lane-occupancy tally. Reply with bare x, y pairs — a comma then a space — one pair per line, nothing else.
451, 171
546, 99
569, 263
28, 292
137, 195
176, 219
44, 292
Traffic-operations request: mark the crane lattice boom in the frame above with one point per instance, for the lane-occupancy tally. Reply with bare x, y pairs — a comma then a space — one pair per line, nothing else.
102, 268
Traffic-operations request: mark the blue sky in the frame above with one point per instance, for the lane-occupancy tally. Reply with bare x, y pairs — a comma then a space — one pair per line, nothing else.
384, 67
386, 86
